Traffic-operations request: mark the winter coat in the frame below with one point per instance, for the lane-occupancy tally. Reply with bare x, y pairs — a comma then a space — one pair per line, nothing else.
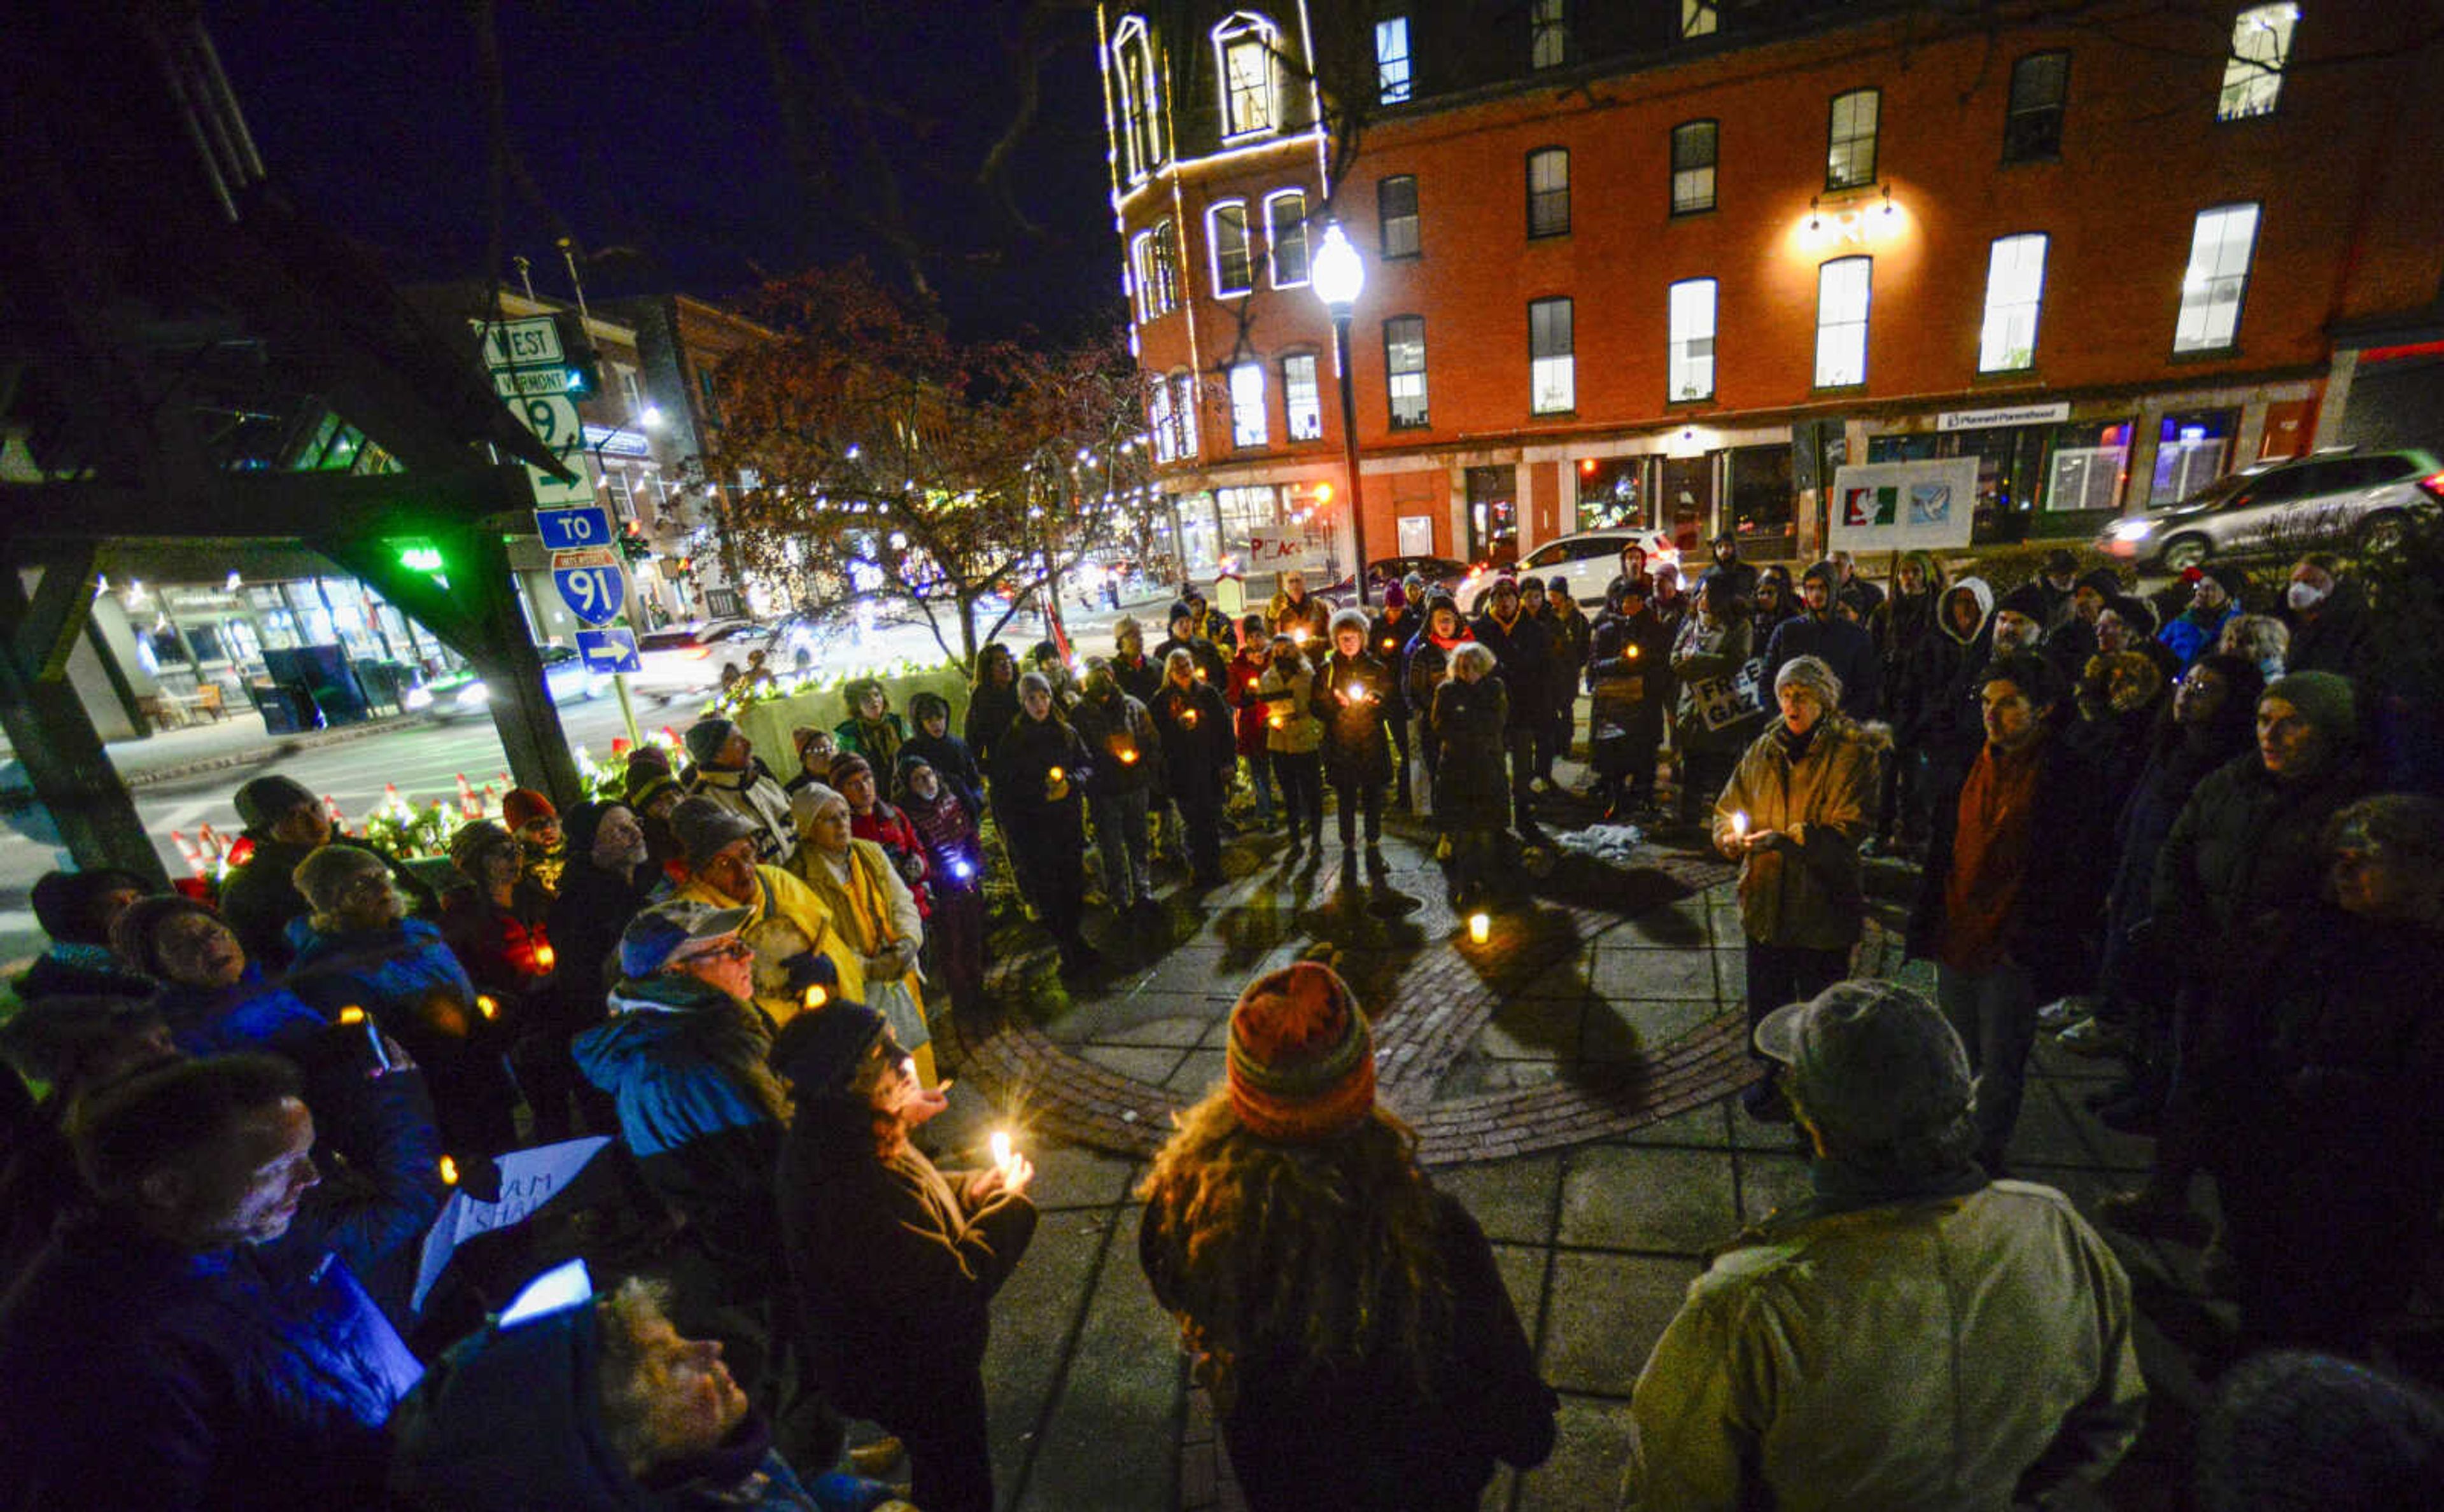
585, 923
1471, 785
2194, 632
1355, 700
1904, 624
1741, 574
1050, 828
699, 1110
1523, 657
789, 918
1291, 727
1358, 1433
951, 758
404, 977
1310, 613
2244, 847
1387, 641
1627, 657
1702, 650
1207, 655
261, 897
1825, 800
990, 708
894, 1264
886, 827
497, 946
250, 1014
1127, 749
2340, 637
953, 846
1198, 745
1424, 664
1571, 633
1138, 676
1240, 689
1952, 727
1925, 1355
68, 969
2057, 913
755, 797
1841, 645
135, 1375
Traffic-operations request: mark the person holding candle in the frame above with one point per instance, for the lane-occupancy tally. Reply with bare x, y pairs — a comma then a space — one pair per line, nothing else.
1471, 709
1203, 637
1523, 657
494, 919
892, 1263
1198, 749
1292, 734
875, 912
1387, 640
1127, 772
1712, 722
532, 818
1571, 633
950, 756
1239, 689
1792, 815
1299, 615
1425, 661
1354, 691
1625, 660
796, 942
872, 729
1040, 767
1362, 1349
955, 850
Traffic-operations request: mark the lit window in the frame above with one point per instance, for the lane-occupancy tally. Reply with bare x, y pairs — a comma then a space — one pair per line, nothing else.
1226, 228
2032, 126
1392, 60
1133, 77
1700, 18
2216, 279
1691, 363
1552, 365
1183, 413
2015, 286
1285, 237
1841, 287
1692, 167
1154, 257
1548, 191
1301, 400
1248, 426
1166, 441
1404, 368
1246, 43
1548, 34
2253, 76
1850, 147
1396, 211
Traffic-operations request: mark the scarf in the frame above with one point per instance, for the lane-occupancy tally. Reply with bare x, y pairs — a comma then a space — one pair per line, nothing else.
1990, 855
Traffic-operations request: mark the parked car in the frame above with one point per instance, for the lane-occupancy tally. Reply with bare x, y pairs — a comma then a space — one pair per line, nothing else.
1587, 562
463, 695
685, 661
2362, 497
1439, 571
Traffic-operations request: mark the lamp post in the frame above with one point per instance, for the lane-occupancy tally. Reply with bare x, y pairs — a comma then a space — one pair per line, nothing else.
1338, 276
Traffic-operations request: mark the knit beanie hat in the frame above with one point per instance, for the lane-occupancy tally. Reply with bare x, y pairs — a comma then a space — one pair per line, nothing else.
2106, 583
578, 826
817, 1052
523, 805
262, 802
705, 738
1179, 610
702, 827
809, 800
847, 765
2027, 601
1302, 1065
2324, 699
133, 937
466, 847
1034, 682
1531, 586
644, 762
1350, 620
1813, 673
326, 876
64, 901
641, 795
929, 705
1396, 597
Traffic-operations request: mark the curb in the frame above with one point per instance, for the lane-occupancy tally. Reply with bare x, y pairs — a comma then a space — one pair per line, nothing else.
271, 751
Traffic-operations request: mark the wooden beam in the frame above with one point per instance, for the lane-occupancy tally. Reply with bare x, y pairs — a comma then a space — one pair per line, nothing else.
267, 506
41, 639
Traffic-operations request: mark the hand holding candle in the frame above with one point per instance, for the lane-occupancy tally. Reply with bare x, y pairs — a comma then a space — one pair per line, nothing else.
1480, 928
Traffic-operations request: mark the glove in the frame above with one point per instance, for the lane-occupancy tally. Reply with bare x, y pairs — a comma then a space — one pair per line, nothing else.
890, 963
810, 968
911, 867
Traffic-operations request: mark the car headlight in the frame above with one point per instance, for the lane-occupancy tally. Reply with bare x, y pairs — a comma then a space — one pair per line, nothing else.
474, 695
2130, 529
417, 698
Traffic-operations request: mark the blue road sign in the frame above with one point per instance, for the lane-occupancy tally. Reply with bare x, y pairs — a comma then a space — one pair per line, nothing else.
609, 649
595, 592
573, 530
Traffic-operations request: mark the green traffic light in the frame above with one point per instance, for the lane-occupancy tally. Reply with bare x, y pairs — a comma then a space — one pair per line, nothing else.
420, 559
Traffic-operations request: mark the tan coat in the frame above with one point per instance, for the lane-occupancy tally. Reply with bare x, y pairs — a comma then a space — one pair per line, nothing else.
788, 917
1825, 802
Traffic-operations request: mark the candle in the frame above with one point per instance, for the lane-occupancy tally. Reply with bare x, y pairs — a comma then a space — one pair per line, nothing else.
488, 1008
1251, 685
1054, 775
1188, 719
1129, 756
448, 1172
1275, 721
1633, 653
1299, 634
908, 1067
352, 1014
816, 996
1739, 824
1480, 928
1001, 1150
1200, 674
544, 956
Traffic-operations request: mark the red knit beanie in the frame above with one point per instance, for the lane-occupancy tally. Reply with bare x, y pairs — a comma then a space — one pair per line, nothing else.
1302, 1059
523, 805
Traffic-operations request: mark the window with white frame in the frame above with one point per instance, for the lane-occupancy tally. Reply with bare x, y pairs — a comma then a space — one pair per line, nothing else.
633, 392
1700, 18
1548, 191
2253, 75
1245, 45
2015, 287
1155, 261
1691, 363
1692, 167
1302, 401
1392, 60
1285, 237
1166, 439
2032, 122
1404, 370
1248, 424
1548, 34
1552, 360
1842, 289
1396, 217
1133, 80
2217, 280
1225, 232
1850, 141
1184, 411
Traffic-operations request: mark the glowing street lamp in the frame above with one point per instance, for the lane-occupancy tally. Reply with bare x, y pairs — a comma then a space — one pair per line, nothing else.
1338, 276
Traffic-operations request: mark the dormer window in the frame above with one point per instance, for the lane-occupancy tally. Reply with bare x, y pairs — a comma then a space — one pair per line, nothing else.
1133, 80
1247, 48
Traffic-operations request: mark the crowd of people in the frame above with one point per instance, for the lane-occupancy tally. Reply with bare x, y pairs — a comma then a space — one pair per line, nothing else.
2165, 839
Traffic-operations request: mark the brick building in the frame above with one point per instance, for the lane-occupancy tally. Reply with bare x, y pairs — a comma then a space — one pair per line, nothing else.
1668, 262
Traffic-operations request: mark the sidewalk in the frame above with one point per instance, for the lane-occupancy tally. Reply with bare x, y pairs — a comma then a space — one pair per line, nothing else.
221, 745
1571, 1082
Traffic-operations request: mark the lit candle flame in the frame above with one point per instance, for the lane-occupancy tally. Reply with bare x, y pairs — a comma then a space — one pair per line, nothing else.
1739, 824
1054, 775
1480, 928
352, 1014
1128, 758
448, 1172
488, 1008
544, 957
1001, 1150
816, 996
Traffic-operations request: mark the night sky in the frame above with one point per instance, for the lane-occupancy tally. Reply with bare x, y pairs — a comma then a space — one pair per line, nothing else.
656, 136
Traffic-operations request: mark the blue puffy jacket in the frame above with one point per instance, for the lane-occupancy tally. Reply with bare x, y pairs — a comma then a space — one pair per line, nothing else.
250, 1014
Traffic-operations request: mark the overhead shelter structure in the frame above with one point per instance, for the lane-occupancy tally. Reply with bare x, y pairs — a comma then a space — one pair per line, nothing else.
187, 355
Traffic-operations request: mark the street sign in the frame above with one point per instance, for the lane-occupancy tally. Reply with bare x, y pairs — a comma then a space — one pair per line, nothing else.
591, 582
553, 419
531, 343
611, 649
511, 383
574, 529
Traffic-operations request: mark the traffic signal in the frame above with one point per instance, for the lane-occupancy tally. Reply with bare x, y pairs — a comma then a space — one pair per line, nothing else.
583, 364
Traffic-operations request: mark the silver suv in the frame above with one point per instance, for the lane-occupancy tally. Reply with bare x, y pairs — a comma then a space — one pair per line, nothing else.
2318, 500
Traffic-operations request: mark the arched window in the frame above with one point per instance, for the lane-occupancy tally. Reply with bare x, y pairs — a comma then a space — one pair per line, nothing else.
1133, 80
1247, 50
1153, 265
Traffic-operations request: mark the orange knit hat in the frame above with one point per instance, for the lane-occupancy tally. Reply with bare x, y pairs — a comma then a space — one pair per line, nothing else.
1302, 1063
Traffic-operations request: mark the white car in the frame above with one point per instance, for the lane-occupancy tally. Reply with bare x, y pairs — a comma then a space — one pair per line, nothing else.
1588, 561
2278, 509
464, 696
685, 661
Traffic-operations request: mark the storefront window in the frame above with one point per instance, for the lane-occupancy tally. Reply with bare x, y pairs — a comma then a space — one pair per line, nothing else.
1494, 515
1199, 538
2086, 467
1760, 502
1612, 492
2192, 450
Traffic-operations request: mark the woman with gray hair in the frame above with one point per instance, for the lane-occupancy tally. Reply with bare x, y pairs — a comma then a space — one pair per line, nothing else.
1792, 815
